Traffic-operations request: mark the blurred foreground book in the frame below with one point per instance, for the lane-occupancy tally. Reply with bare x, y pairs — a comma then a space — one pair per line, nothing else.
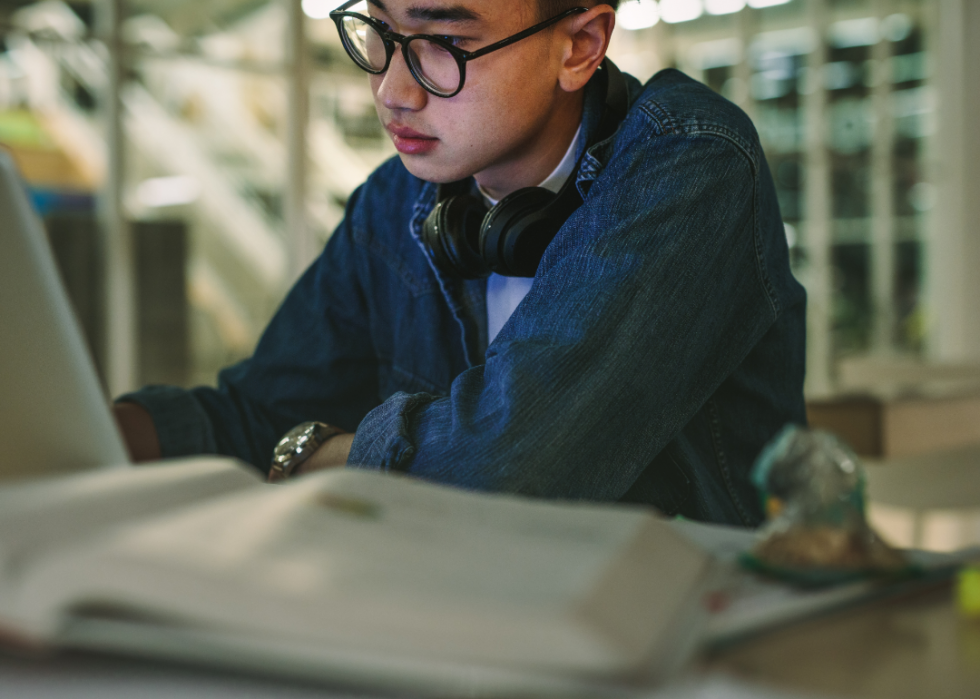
351, 577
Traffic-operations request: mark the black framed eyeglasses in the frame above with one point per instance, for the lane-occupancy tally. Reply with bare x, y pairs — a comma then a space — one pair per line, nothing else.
435, 63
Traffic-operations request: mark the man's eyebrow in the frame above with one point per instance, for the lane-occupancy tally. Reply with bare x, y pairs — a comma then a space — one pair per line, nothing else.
451, 13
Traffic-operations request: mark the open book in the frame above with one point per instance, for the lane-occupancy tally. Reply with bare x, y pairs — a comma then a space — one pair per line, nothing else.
352, 577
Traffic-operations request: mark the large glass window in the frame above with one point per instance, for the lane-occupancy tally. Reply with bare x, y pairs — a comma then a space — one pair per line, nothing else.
840, 93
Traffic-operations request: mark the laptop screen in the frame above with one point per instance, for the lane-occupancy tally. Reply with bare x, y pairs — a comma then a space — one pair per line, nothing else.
54, 416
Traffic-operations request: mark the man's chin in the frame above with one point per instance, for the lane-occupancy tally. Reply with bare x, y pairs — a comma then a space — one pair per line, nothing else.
433, 170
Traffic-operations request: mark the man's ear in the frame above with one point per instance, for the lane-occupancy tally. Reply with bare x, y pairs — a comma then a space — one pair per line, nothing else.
587, 38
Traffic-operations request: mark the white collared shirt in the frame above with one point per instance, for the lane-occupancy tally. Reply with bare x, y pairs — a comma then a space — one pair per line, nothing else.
505, 293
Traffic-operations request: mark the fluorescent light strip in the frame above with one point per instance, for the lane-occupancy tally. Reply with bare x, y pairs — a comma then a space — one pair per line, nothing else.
758, 4
675, 11
723, 7
638, 14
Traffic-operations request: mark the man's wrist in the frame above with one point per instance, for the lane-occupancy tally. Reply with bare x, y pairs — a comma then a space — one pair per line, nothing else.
298, 446
331, 454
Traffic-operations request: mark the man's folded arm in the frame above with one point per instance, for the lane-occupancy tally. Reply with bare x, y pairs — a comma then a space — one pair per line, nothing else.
645, 302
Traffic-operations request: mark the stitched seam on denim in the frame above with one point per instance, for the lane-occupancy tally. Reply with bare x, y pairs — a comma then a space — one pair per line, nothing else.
764, 280
660, 116
759, 256
669, 126
423, 206
587, 175
721, 131
714, 422
585, 182
750, 154
733, 138
688, 482
725, 134
591, 166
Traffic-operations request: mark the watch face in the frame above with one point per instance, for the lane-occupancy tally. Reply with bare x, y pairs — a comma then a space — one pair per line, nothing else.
304, 434
298, 444
294, 442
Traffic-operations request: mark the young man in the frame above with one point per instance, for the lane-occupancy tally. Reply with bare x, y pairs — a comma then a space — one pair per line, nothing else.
658, 346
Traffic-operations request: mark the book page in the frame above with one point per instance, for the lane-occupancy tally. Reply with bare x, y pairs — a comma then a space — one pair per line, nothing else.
744, 602
55, 513
724, 542
373, 563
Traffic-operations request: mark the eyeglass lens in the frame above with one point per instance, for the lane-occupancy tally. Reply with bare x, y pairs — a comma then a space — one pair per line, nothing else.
433, 66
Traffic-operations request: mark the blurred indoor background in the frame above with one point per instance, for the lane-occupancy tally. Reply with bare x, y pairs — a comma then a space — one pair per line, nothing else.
190, 158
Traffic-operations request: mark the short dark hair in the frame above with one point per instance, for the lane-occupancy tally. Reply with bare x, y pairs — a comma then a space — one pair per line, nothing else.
550, 8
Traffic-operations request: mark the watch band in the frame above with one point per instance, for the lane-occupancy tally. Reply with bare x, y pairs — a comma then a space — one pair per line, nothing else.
297, 446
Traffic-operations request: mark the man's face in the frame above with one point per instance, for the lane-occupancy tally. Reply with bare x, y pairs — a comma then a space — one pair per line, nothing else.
506, 109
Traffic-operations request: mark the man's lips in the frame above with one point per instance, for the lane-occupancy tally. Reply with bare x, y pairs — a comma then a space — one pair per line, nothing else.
410, 141
406, 132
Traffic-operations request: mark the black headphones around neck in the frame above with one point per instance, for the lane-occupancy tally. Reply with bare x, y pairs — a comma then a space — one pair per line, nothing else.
463, 238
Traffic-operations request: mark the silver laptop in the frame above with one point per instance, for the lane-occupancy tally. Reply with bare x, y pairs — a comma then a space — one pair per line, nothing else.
54, 416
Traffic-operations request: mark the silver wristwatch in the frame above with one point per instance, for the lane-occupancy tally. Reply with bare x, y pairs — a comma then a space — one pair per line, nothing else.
297, 446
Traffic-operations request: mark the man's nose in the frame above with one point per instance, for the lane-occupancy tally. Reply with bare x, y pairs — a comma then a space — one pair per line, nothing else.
399, 90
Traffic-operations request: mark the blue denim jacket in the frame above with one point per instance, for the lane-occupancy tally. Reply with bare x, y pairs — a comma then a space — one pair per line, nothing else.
661, 345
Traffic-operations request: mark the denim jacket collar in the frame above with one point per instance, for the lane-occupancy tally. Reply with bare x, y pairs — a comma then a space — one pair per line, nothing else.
467, 298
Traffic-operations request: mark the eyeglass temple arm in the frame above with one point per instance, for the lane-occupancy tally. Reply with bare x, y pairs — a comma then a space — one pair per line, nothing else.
470, 55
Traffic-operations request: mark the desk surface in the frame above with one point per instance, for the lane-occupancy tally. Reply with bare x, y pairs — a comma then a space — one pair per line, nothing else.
915, 647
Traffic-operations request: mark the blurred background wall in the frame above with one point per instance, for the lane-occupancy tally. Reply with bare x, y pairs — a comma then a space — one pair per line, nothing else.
190, 157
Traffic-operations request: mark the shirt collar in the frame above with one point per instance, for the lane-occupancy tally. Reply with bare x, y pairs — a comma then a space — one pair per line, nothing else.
556, 179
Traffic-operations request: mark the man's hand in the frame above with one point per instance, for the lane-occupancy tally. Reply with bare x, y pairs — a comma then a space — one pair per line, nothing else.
138, 431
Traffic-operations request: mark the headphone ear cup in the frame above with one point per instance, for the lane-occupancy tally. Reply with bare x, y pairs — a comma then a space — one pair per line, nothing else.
451, 235
514, 236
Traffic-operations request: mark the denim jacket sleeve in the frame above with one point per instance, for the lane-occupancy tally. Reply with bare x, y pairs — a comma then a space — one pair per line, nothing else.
650, 296
314, 362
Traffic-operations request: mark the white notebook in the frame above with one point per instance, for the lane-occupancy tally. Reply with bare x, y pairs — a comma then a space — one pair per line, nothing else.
350, 576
